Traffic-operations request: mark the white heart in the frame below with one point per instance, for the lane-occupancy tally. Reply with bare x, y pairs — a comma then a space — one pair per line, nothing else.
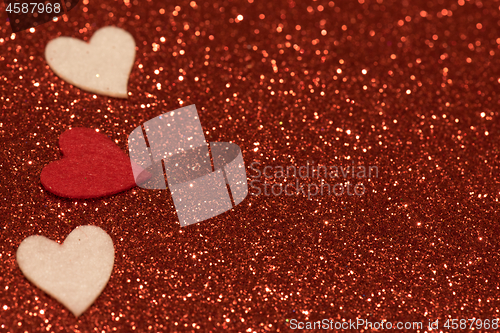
102, 66
74, 273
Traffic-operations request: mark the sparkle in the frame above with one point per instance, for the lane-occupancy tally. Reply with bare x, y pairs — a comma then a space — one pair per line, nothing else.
409, 87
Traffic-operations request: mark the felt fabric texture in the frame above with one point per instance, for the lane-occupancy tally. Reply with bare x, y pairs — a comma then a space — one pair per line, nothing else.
74, 273
101, 66
92, 166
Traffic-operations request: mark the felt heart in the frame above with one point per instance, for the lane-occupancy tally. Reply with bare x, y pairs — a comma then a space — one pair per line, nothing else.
92, 166
102, 66
74, 273
27, 14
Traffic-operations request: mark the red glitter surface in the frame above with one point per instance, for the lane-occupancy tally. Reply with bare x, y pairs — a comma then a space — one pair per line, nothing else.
411, 87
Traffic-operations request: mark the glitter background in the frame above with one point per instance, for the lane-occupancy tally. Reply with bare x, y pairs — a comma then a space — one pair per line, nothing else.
409, 86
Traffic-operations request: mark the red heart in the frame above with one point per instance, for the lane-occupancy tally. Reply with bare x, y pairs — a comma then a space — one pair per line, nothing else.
92, 166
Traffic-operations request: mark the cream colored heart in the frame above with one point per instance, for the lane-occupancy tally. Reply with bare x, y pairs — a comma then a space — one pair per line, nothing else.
74, 273
101, 66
